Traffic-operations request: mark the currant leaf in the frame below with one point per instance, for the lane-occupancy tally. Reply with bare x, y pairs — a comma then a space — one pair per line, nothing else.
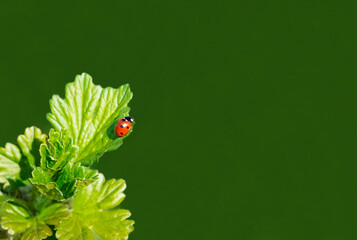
96, 213
43, 182
16, 163
16, 220
58, 151
89, 113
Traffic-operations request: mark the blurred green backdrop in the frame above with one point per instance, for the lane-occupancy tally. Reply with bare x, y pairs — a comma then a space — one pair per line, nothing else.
245, 110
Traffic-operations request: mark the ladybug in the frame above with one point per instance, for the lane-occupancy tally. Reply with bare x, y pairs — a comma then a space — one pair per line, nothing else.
123, 126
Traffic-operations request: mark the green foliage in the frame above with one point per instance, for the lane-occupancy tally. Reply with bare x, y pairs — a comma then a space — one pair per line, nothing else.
16, 163
58, 151
95, 214
45, 185
29, 143
9, 163
59, 177
80, 176
89, 113
16, 220
47, 189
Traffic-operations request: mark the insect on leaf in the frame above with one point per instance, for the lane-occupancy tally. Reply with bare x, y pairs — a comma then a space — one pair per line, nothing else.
89, 113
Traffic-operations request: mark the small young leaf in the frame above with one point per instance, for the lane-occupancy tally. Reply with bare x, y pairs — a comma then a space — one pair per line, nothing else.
9, 163
77, 174
42, 180
95, 213
89, 113
71, 177
30, 142
58, 177
58, 151
16, 220
17, 163
11, 152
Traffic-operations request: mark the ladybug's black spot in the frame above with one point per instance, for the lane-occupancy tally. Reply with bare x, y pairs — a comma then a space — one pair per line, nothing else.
123, 119
121, 126
127, 127
121, 133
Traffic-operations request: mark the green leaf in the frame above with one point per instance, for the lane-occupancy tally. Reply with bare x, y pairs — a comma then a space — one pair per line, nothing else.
9, 163
58, 177
58, 151
16, 163
89, 113
3, 199
75, 176
96, 213
30, 142
16, 220
42, 180
71, 177
54, 213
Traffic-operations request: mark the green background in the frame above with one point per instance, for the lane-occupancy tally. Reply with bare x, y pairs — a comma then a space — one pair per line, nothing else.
245, 110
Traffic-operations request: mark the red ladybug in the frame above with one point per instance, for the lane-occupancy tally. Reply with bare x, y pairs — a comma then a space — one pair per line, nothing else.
123, 126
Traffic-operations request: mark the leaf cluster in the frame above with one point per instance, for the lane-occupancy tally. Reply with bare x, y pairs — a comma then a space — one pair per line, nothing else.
47, 186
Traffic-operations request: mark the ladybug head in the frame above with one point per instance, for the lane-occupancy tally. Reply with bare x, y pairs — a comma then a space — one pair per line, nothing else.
129, 119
